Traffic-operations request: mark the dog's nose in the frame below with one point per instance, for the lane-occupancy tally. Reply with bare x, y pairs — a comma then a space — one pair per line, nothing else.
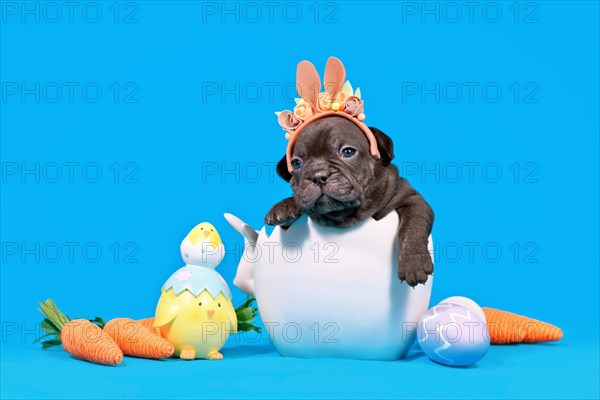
320, 177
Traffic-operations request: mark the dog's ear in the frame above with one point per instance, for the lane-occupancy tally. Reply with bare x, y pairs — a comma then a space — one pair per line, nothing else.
282, 170
384, 145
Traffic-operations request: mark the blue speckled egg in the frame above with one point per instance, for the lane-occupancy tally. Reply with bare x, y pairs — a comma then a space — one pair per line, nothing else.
453, 335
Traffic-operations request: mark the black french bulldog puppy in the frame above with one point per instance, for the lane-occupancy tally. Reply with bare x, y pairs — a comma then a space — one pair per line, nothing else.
337, 182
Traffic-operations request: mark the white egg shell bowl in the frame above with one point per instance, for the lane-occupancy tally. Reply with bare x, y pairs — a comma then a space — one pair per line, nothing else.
331, 292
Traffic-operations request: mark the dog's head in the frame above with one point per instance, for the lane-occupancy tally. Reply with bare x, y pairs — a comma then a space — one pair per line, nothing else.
335, 179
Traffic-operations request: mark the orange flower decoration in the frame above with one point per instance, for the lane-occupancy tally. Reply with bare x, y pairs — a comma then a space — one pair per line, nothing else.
324, 101
340, 101
303, 110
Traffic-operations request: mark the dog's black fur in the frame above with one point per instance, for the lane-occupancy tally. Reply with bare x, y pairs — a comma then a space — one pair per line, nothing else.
339, 191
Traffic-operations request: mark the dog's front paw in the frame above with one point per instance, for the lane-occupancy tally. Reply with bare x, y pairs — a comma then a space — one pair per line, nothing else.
415, 268
283, 213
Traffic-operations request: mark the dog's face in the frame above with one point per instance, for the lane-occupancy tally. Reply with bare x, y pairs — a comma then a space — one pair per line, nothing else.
335, 180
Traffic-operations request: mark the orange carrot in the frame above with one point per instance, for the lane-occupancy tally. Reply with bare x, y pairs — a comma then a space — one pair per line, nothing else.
149, 323
79, 337
138, 341
506, 327
87, 341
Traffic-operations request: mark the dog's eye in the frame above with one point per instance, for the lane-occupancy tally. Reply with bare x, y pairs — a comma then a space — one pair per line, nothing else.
348, 152
296, 163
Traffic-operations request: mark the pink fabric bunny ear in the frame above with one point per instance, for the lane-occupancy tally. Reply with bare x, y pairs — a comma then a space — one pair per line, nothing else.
335, 76
308, 82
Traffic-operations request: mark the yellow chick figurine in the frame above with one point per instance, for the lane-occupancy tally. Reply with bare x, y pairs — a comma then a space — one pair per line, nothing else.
194, 312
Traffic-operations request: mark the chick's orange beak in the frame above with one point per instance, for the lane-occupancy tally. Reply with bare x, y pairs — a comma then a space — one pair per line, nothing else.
206, 233
210, 313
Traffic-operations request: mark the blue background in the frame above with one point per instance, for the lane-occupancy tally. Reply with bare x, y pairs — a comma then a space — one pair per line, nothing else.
171, 130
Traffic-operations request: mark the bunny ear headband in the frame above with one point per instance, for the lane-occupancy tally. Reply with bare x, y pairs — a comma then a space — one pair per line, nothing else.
338, 100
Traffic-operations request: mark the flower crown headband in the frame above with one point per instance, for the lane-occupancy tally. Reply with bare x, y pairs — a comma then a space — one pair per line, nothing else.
338, 99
